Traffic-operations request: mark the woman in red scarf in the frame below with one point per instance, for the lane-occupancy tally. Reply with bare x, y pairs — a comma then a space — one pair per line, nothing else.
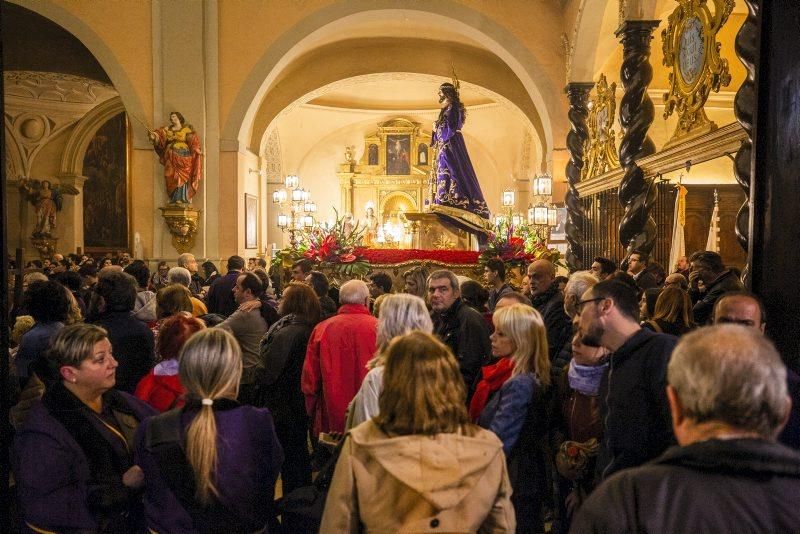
511, 400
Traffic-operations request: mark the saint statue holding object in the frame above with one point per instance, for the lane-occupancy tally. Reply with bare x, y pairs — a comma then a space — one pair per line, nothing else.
178, 149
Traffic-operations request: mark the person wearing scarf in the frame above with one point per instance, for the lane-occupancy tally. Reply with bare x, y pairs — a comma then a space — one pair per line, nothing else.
511, 400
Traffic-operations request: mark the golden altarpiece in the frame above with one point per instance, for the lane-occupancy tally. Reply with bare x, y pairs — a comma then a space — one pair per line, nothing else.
394, 178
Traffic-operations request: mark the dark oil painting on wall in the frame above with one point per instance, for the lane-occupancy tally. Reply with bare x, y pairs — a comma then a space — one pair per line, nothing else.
398, 160
105, 193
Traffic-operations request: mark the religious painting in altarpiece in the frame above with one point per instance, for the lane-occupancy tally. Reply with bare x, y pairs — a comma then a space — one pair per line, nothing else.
394, 163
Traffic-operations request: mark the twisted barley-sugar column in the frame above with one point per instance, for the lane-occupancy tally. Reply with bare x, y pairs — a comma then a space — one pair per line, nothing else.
637, 229
743, 107
578, 95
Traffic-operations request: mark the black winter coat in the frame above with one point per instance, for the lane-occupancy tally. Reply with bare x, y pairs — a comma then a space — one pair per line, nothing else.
704, 302
464, 330
283, 351
737, 485
133, 344
633, 403
556, 321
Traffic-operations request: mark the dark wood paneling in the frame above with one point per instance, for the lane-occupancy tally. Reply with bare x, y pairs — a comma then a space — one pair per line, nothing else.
604, 213
699, 206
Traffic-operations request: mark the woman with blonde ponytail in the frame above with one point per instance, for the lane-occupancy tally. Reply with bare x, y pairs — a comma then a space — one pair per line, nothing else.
212, 465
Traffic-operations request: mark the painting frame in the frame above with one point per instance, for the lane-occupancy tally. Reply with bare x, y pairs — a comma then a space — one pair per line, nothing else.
250, 221
398, 154
91, 246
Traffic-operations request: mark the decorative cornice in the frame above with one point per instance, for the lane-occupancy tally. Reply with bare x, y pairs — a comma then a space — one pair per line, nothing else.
725, 140
53, 91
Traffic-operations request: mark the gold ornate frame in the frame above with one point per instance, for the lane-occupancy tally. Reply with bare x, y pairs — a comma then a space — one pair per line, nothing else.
361, 182
600, 148
688, 99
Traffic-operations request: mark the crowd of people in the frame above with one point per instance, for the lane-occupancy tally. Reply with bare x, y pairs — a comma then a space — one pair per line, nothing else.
611, 400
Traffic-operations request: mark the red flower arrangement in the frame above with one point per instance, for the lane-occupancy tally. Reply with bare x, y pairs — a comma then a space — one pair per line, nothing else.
333, 248
517, 245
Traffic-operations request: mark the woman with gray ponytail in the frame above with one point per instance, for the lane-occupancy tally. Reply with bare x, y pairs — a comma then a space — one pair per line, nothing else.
210, 466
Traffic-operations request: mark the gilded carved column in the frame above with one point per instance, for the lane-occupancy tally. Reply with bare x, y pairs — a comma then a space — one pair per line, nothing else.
637, 229
578, 95
743, 107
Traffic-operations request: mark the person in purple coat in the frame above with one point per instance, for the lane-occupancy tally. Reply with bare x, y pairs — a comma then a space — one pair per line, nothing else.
210, 466
72, 458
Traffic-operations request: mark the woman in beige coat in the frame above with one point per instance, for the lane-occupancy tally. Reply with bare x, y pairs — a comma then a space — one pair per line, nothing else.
420, 465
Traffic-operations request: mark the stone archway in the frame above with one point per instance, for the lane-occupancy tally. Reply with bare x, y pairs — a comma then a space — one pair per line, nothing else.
495, 37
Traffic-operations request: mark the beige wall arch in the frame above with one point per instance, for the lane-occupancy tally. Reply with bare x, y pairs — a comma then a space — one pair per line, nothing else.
100, 50
592, 36
281, 106
497, 39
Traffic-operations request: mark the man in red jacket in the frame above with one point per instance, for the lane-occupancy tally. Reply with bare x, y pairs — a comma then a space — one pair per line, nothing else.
336, 359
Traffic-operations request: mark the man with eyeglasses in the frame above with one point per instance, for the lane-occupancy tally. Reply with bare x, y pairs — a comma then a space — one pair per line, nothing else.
633, 402
745, 308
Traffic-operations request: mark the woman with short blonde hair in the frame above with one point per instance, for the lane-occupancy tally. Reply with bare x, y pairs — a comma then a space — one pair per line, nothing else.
511, 401
399, 314
194, 457
420, 464
73, 461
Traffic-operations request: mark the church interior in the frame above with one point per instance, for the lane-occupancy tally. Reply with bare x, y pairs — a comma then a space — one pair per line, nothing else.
304, 99
626, 110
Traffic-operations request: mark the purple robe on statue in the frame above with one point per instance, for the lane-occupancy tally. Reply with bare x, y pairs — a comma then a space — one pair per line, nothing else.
458, 195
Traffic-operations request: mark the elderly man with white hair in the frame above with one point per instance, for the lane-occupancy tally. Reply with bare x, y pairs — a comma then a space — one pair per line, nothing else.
189, 262
336, 358
182, 276
728, 400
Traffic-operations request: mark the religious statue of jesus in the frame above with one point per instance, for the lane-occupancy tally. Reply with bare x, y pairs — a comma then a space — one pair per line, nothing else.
458, 195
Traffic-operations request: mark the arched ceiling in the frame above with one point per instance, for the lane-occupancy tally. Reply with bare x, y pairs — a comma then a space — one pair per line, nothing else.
383, 58
32, 42
426, 39
414, 92
399, 93
593, 32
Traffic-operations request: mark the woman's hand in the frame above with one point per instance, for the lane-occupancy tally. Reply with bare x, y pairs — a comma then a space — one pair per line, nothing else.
250, 306
134, 477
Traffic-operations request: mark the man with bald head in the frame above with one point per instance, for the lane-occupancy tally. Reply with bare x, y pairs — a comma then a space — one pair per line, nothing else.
548, 300
740, 307
676, 280
727, 400
336, 358
189, 262
746, 309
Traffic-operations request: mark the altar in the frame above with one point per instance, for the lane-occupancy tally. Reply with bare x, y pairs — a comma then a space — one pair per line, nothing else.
389, 189
395, 262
